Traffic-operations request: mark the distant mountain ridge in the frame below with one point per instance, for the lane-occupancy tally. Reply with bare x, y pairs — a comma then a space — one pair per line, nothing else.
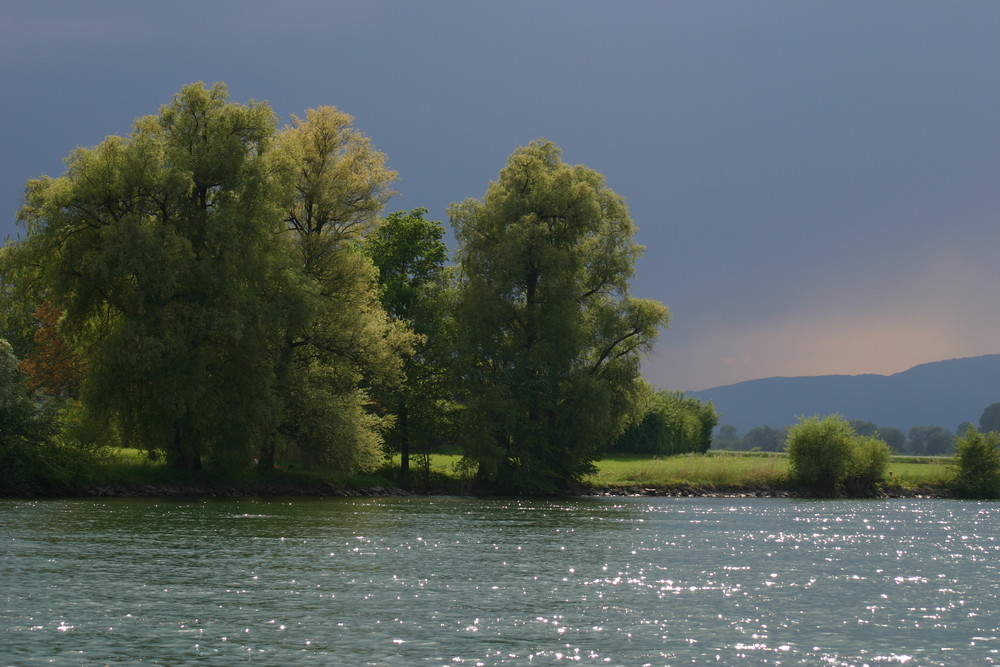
940, 393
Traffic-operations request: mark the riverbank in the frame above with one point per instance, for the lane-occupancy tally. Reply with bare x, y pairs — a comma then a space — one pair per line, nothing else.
715, 474
700, 491
262, 490
321, 489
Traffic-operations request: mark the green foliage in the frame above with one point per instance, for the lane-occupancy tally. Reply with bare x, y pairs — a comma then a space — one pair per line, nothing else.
764, 439
819, 452
208, 272
18, 303
868, 466
409, 253
549, 337
33, 459
727, 437
977, 465
930, 441
159, 248
864, 428
670, 423
329, 427
893, 437
342, 344
416, 290
990, 419
827, 455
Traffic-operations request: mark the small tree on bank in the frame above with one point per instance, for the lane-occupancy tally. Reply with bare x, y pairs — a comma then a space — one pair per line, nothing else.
867, 467
977, 465
826, 455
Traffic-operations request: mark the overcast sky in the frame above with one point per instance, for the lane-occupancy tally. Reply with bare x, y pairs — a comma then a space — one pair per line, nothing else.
817, 184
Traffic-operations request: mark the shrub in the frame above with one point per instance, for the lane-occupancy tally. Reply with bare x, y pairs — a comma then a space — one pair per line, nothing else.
34, 458
868, 465
826, 455
977, 465
819, 452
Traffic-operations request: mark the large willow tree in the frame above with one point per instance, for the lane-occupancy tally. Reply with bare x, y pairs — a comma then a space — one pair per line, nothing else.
338, 183
549, 337
159, 249
205, 270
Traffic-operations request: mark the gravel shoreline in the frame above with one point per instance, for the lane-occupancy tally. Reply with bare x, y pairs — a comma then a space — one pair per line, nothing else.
697, 491
326, 490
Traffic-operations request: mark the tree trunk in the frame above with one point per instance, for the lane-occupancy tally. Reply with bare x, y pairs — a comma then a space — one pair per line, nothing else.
404, 445
184, 455
266, 460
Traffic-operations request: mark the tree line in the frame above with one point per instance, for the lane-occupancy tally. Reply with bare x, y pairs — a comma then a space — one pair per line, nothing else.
918, 441
218, 290
829, 456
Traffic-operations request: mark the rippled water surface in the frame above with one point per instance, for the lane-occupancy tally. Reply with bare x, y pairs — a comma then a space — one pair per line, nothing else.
454, 581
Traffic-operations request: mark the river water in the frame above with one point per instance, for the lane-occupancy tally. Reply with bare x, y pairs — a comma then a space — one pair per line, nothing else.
458, 581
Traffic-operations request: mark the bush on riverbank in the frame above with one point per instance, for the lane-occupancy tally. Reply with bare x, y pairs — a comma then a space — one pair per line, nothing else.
34, 457
826, 456
977, 465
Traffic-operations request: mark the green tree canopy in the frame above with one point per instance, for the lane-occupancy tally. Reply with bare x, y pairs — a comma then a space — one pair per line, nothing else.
159, 248
930, 441
671, 423
24, 420
337, 184
764, 438
207, 271
862, 427
410, 254
727, 437
990, 419
34, 459
826, 455
977, 465
893, 437
549, 336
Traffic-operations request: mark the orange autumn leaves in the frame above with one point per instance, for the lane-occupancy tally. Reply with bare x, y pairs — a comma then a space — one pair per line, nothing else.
52, 368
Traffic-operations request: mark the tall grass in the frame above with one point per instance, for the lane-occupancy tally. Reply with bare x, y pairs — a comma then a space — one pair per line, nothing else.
711, 470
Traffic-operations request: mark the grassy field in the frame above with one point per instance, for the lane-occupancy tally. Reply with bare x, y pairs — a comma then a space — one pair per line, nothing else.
721, 469
713, 470
125, 471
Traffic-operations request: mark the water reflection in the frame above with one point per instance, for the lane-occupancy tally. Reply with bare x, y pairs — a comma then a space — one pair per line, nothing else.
459, 581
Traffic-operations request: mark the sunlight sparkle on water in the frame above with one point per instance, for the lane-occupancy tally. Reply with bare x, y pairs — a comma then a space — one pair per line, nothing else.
411, 581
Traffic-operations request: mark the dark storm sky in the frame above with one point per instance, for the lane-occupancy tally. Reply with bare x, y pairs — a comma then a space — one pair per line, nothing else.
817, 184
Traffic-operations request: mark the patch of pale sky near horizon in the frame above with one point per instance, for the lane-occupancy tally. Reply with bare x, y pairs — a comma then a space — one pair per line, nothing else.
862, 326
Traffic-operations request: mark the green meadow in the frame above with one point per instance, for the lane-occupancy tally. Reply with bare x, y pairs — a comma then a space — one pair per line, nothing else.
715, 470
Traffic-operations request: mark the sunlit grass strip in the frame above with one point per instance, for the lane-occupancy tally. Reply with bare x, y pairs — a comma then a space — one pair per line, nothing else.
714, 471
735, 469
935, 471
